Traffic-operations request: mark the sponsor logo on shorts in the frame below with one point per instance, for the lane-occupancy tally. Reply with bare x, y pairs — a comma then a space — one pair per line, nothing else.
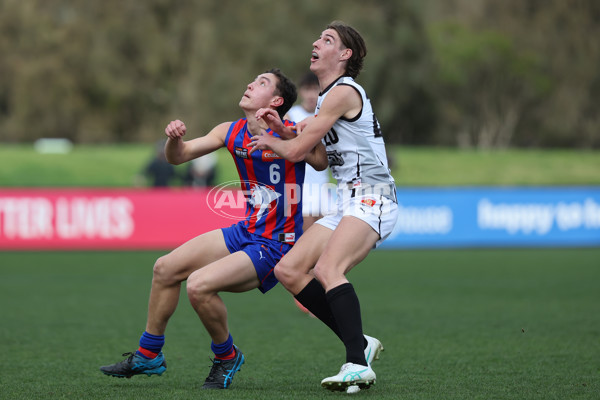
368, 202
287, 237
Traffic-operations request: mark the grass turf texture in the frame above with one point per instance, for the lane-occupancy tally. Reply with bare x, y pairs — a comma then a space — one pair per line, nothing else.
456, 324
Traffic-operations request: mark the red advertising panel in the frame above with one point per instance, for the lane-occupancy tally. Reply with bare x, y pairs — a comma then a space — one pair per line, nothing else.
40, 219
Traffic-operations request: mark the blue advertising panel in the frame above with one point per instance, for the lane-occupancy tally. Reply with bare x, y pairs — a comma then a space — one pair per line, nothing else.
496, 217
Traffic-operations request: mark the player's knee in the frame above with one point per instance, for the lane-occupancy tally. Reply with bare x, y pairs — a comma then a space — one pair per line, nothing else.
284, 273
197, 288
325, 275
318, 272
162, 273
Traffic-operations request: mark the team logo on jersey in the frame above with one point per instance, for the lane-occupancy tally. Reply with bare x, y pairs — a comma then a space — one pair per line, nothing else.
269, 155
241, 152
261, 197
335, 158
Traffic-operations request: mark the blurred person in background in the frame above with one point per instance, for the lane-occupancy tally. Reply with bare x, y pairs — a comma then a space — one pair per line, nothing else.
158, 172
202, 171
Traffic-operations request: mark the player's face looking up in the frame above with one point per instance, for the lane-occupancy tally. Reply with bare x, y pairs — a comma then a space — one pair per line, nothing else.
328, 50
261, 93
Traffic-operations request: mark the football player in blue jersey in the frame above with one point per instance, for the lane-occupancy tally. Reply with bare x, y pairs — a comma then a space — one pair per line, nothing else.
234, 259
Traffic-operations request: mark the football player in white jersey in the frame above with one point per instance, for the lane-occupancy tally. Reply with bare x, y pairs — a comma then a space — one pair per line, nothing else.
366, 200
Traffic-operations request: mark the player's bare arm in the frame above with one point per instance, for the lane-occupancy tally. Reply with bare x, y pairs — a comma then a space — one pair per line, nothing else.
342, 101
179, 151
317, 158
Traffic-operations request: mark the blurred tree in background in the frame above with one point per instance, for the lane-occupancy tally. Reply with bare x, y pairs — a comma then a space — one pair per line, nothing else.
548, 52
440, 72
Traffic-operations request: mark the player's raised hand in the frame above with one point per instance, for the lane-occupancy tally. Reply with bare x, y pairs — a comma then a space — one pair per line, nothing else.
274, 123
175, 130
269, 115
259, 142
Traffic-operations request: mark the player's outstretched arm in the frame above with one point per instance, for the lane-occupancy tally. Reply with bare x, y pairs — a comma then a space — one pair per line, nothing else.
179, 151
341, 101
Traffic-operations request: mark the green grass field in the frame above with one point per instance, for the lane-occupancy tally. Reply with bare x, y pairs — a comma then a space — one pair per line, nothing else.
456, 324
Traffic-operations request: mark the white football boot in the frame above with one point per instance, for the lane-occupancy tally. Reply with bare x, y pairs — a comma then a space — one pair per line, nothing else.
374, 347
350, 375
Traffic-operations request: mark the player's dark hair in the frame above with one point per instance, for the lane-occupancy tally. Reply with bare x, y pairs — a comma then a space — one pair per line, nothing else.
353, 41
286, 89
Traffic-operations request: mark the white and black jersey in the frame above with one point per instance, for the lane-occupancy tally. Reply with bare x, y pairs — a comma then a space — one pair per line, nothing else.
355, 147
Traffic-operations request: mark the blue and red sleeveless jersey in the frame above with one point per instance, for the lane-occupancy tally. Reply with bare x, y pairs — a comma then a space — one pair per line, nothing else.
271, 185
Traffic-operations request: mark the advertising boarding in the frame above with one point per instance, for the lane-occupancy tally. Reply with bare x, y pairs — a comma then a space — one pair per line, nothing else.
137, 219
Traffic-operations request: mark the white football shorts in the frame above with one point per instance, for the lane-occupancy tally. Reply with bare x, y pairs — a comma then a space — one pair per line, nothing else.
378, 211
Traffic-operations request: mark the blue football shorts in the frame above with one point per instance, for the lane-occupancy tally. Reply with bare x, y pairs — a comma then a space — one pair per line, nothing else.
264, 253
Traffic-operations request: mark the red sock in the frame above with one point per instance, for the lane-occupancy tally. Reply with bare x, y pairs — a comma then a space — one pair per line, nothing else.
226, 356
147, 353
